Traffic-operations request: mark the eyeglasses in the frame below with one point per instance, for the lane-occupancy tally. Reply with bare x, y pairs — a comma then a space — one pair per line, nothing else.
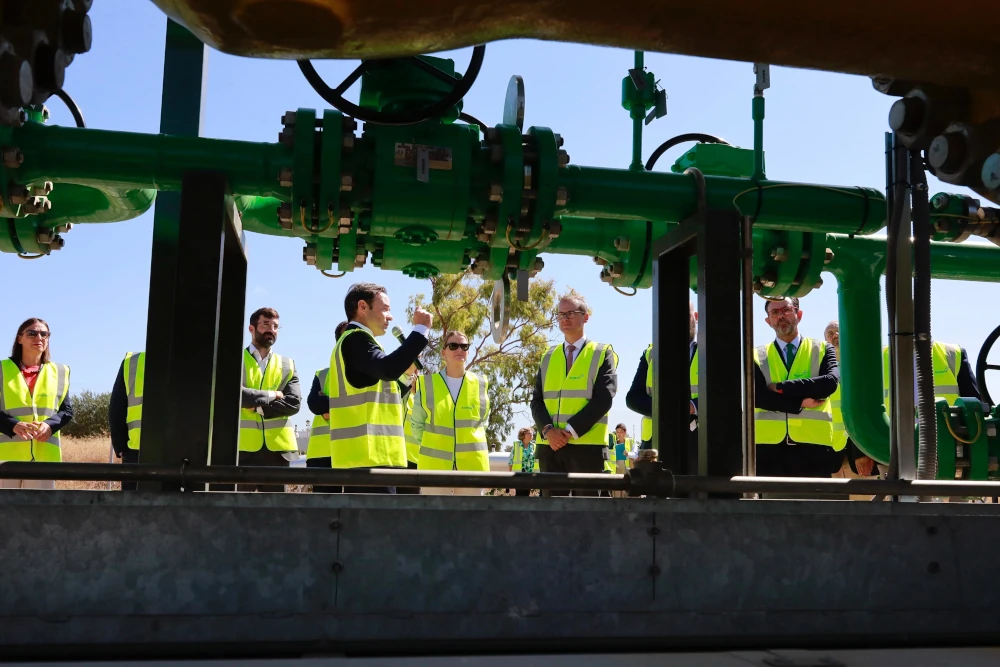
35, 333
787, 310
272, 326
458, 346
565, 315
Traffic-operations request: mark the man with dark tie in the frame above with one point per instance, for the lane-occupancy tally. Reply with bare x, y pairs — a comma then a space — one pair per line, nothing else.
794, 378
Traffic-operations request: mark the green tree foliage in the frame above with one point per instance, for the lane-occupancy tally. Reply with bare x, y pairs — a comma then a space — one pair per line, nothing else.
461, 303
90, 415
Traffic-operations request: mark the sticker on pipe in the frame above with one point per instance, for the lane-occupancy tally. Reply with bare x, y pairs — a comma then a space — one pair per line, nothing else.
413, 155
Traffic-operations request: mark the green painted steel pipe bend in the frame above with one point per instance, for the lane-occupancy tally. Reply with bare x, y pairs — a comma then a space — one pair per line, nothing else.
858, 265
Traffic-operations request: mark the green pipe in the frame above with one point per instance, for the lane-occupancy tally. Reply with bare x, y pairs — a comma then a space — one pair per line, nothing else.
637, 112
858, 265
130, 160
260, 215
757, 112
81, 203
626, 195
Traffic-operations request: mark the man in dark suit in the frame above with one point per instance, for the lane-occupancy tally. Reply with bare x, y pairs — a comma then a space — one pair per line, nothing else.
574, 389
364, 365
793, 379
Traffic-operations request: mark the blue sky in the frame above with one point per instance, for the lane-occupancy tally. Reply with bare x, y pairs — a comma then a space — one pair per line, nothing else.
820, 128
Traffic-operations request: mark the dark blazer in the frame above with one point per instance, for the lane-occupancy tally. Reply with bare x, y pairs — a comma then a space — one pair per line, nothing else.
287, 406
637, 400
605, 388
118, 413
55, 422
365, 364
967, 385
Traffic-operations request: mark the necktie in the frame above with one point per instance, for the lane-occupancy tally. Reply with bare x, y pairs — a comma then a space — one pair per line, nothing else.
570, 352
789, 354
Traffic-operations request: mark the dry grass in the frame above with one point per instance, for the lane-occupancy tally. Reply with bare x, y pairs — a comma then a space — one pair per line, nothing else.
88, 450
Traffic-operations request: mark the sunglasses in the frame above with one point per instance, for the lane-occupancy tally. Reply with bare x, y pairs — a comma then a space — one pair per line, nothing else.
34, 333
458, 346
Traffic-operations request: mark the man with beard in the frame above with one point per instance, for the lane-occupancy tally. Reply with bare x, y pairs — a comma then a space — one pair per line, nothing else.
794, 379
640, 394
271, 395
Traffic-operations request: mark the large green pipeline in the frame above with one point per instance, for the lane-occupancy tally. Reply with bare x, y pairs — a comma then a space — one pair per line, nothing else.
98, 203
617, 193
858, 265
130, 160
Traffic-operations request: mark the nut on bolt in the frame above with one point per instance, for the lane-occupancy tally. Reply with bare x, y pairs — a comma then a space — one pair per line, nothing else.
288, 119
539, 265
622, 244
563, 158
779, 255
57, 243
309, 254
12, 157
555, 229
496, 192
37, 205
286, 137
285, 215
562, 196
18, 194
615, 269
45, 236
346, 182
285, 177
829, 256
43, 190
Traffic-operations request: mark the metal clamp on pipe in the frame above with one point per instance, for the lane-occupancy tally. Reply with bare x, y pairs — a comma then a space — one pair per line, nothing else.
650, 478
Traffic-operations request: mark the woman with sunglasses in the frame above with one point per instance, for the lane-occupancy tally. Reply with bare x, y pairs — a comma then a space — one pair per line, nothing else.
34, 403
449, 416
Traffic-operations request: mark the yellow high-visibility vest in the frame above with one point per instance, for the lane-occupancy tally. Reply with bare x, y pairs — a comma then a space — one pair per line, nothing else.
566, 393
412, 444
947, 360
812, 426
51, 389
256, 431
319, 431
135, 373
647, 423
366, 424
454, 436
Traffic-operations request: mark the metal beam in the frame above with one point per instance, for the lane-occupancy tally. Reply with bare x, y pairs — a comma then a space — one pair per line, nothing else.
181, 113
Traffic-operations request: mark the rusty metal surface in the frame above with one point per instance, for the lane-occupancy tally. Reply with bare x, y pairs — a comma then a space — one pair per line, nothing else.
912, 39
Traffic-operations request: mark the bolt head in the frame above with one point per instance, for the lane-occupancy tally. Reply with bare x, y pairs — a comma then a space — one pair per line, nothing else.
43, 190
559, 140
563, 158
496, 192
622, 244
991, 172
57, 243
947, 152
616, 269
45, 236
285, 177
562, 196
907, 115
555, 229
942, 226
346, 182
286, 137
12, 157
288, 119
828, 256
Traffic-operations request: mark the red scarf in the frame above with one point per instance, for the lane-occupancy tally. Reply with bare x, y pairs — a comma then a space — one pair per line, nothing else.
30, 376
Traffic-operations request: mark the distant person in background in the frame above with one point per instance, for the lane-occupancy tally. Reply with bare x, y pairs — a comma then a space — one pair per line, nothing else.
34, 403
522, 456
318, 451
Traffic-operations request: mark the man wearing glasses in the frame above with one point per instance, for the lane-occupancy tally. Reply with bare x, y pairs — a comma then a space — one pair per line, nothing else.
794, 379
574, 389
271, 395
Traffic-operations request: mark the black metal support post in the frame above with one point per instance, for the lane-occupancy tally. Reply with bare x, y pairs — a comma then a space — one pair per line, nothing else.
715, 237
181, 113
179, 410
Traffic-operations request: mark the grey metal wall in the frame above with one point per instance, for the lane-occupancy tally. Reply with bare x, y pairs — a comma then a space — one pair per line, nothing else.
225, 574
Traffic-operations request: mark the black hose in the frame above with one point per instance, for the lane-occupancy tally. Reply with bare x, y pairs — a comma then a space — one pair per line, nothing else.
472, 120
927, 454
72, 106
680, 139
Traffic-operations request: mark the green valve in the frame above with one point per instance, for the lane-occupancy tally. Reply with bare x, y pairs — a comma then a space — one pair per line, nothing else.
416, 236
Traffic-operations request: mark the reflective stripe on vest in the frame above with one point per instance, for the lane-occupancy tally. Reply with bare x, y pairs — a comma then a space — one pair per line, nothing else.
839, 435
454, 436
812, 426
647, 424
412, 444
366, 423
947, 360
319, 431
256, 431
135, 373
565, 394
51, 389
